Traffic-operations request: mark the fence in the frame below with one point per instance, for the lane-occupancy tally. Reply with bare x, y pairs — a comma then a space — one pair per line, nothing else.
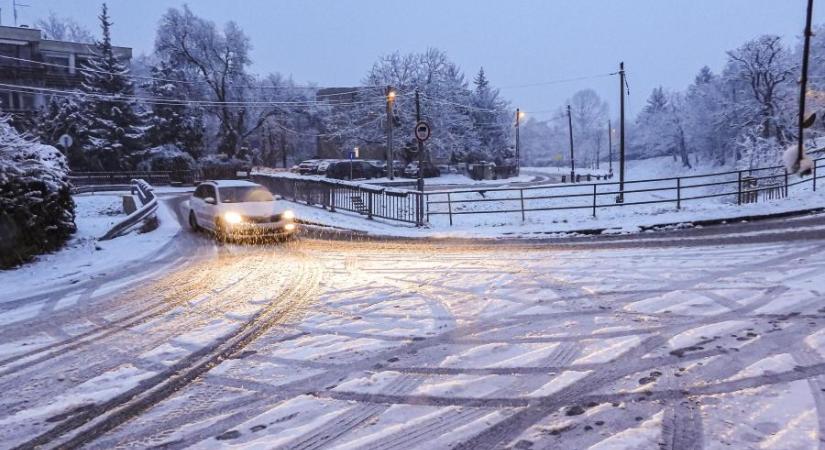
370, 201
743, 186
124, 178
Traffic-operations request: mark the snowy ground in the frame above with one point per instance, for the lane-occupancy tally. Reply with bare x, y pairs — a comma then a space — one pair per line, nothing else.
84, 257
432, 345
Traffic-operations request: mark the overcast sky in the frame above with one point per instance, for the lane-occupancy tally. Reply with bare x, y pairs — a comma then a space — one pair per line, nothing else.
333, 43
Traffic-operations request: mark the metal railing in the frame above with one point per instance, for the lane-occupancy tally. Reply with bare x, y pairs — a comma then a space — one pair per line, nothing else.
368, 200
114, 178
147, 198
740, 186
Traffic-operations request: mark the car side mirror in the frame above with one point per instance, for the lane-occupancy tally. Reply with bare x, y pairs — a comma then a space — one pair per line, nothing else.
210, 200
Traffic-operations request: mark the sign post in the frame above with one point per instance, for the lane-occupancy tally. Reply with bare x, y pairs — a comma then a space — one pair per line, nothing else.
422, 133
65, 141
352, 155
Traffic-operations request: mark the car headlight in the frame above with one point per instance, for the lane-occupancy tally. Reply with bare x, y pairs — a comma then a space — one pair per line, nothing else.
288, 215
232, 218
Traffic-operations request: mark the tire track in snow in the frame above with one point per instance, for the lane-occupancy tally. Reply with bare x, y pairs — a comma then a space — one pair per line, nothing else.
88, 425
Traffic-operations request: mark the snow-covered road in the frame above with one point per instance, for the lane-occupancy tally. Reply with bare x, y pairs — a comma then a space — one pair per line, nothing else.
684, 340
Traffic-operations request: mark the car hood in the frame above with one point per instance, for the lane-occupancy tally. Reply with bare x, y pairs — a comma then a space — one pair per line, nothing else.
255, 208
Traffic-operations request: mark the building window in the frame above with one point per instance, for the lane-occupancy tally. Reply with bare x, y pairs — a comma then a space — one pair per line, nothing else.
56, 63
10, 50
16, 101
6, 101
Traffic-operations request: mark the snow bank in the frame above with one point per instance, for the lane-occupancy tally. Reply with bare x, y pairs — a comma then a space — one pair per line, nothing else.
84, 258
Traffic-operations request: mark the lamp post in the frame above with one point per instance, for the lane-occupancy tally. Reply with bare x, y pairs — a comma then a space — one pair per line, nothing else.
620, 197
389, 156
572, 156
519, 115
803, 85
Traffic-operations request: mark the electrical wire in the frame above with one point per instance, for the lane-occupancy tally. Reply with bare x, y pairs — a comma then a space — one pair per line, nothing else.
185, 102
355, 90
559, 81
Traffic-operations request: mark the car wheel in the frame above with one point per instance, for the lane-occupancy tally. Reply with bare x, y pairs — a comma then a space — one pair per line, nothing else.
193, 222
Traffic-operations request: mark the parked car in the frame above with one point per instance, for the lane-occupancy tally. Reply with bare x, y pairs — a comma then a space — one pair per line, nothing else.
430, 170
352, 170
398, 168
323, 165
236, 209
309, 167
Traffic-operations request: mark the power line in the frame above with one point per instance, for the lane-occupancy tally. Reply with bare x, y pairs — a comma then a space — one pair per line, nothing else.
559, 81
185, 102
355, 89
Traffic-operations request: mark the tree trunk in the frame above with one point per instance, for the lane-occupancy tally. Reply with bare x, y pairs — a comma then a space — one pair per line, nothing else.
283, 149
683, 150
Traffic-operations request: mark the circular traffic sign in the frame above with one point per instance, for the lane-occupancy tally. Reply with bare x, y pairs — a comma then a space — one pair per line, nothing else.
422, 131
65, 140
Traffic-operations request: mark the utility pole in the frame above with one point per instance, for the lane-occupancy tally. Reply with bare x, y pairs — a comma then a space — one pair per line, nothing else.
518, 149
610, 146
620, 197
389, 156
803, 85
572, 156
16, 5
420, 146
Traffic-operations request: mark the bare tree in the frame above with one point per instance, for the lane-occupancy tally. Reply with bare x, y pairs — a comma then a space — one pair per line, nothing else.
765, 68
589, 114
64, 29
217, 59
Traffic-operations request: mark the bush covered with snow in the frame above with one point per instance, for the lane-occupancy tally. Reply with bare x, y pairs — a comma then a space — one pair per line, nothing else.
36, 208
222, 166
168, 158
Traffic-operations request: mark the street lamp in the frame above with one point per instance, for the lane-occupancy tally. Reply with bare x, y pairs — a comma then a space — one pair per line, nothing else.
389, 154
572, 155
803, 87
519, 115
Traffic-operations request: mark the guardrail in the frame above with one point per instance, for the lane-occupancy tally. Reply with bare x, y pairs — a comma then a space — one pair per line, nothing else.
368, 200
742, 186
147, 198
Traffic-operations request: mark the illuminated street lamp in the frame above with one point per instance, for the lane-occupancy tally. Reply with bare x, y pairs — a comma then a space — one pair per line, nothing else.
389, 156
519, 115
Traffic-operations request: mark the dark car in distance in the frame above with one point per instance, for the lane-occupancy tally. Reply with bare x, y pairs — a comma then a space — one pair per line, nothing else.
353, 170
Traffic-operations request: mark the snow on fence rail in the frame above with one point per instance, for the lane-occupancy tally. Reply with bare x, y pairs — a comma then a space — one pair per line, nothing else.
149, 201
115, 178
368, 200
742, 186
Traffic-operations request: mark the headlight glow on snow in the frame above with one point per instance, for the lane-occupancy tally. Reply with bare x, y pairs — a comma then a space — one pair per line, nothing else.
288, 214
232, 218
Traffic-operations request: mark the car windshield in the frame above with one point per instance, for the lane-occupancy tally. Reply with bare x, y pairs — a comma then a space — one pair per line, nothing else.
244, 194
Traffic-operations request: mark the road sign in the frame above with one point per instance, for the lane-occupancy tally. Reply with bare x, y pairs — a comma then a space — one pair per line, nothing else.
66, 141
422, 131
